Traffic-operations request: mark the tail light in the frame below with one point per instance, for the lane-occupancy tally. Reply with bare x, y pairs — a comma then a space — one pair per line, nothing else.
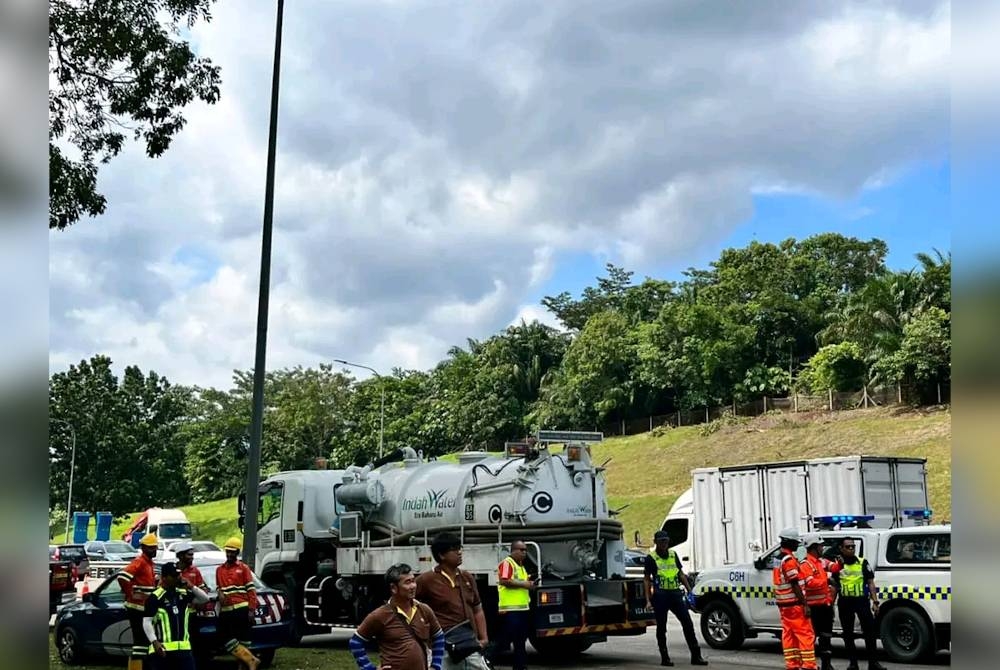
75, 573
553, 597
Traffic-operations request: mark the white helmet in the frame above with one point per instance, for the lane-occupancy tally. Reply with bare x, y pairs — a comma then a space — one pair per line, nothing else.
791, 534
809, 539
181, 547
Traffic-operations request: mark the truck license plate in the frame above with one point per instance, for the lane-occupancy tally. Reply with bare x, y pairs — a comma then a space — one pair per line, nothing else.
555, 618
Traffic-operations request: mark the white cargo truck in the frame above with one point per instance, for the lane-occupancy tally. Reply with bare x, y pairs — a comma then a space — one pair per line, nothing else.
730, 514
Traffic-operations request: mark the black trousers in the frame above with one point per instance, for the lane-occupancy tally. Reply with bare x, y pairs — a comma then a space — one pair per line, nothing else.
515, 627
822, 621
172, 660
235, 628
140, 645
665, 602
860, 607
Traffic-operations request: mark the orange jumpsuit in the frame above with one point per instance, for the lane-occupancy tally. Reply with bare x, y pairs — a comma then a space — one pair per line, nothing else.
797, 638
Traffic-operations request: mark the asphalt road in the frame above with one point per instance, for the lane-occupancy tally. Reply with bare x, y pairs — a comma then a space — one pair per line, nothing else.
640, 653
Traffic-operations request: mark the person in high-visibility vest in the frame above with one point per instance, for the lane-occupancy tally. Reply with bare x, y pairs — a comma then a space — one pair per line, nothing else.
237, 604
797, 637
817, 573
165, 620
858, 598
663, 578
514, 587
137, 581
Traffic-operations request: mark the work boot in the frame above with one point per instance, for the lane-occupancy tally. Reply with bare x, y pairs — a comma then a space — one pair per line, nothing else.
696, 659
665, 658
244, 656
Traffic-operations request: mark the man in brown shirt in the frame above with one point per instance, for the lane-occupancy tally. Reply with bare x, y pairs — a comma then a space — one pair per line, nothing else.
453, 595
404, 628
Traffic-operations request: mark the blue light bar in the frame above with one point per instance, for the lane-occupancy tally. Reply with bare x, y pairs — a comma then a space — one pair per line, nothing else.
833, 519
917, 513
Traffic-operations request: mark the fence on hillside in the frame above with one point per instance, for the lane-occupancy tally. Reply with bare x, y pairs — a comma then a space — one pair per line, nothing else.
833, 401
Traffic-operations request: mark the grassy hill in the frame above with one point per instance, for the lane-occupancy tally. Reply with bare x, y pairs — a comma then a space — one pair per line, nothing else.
648, 471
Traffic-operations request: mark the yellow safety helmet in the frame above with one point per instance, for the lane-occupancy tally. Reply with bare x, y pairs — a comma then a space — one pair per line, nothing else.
233, 544
149, 540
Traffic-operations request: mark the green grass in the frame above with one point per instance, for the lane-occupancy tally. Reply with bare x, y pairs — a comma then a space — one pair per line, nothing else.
648, 472
334, 656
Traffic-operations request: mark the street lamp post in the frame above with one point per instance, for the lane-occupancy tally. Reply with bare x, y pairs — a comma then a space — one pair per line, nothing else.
381, 383
72, 469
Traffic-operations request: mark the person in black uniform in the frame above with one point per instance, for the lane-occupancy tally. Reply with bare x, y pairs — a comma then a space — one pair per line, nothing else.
664, 577
165, 621
858, 599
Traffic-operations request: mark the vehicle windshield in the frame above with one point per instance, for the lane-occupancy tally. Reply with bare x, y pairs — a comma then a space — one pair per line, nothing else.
119, 547
205, 546
71, 552
174, 530
269, 503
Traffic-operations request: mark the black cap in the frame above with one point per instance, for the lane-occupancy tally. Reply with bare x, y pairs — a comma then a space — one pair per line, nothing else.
661, 535
168, 570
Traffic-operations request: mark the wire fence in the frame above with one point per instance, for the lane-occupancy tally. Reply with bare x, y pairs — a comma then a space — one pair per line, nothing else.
833, 401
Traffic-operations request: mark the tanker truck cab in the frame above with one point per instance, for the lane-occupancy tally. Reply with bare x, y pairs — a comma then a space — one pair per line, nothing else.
912, 568
329, 536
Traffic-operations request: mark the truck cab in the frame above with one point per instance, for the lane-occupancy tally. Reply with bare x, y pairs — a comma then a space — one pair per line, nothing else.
912, 574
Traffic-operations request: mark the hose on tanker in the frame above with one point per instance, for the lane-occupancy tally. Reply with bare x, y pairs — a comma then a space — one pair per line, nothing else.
563, 531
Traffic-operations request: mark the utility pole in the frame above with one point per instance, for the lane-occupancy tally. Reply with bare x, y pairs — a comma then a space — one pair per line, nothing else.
257, 422
72, 469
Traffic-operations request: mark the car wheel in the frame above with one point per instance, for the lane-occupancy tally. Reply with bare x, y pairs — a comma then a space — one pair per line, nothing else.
721, 625
266, 657
905, 635
69, 646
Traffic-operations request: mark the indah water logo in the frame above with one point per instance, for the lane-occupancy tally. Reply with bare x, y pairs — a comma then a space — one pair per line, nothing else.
433, 504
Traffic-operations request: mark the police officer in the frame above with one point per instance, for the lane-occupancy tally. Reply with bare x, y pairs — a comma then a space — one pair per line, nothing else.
858, 598
663, 578
165, 620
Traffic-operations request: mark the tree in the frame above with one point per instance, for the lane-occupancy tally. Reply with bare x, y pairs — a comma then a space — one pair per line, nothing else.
924, 356
838, 367
128, 449
116, 67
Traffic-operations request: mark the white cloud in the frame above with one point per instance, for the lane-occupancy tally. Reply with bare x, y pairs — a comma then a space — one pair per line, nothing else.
436, 161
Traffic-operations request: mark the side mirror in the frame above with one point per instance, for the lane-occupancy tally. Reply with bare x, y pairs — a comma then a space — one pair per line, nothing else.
89, 597
759, 563
241, 504
241, 522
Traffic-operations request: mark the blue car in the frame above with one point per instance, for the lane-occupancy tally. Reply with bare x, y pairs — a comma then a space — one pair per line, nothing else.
98, 626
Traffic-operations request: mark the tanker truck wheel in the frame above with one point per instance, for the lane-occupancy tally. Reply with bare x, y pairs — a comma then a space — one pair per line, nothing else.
560, 648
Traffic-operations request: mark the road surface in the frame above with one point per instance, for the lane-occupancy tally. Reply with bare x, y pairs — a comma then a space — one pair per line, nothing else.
640, 653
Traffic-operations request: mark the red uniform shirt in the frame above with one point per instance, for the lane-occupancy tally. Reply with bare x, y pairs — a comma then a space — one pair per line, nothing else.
194, 578
817, 581
236, 589
138, 581
787, 572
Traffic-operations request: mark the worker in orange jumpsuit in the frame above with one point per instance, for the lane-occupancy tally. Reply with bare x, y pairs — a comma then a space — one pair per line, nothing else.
238, 604
820, 595
797, 638
138, 581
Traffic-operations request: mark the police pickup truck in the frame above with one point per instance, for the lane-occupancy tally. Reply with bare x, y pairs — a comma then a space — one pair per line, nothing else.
912, 573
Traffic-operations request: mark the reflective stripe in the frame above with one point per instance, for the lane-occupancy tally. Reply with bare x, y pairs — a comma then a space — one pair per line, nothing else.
784, 594
161, 622
229, 608
816, 582
514, 599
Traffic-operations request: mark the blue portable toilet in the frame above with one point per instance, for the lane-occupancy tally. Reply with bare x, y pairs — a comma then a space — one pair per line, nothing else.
81, 524
103, 526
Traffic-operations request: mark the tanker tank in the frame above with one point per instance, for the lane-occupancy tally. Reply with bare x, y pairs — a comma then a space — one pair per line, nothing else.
557, 500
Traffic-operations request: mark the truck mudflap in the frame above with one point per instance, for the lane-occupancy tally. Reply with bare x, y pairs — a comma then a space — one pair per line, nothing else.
596, 608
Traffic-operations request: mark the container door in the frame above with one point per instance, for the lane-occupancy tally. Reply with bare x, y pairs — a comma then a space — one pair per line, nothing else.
911, 488
743, 518
709, 522
786, 490
877, 479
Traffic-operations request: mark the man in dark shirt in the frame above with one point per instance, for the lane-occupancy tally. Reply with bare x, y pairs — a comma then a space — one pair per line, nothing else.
404, 628
664, 577
858, 598
453, 595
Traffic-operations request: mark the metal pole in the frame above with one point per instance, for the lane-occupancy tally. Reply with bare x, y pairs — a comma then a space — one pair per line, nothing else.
72, 469
381, 383
257, 421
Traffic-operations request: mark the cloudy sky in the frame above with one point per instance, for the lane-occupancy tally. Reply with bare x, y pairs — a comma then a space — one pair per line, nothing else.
442, 166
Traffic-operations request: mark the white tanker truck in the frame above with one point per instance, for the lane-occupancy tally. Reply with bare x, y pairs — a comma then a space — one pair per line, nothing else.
326, 537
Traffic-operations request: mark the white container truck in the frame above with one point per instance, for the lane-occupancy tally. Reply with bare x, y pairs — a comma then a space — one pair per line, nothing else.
730, 514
